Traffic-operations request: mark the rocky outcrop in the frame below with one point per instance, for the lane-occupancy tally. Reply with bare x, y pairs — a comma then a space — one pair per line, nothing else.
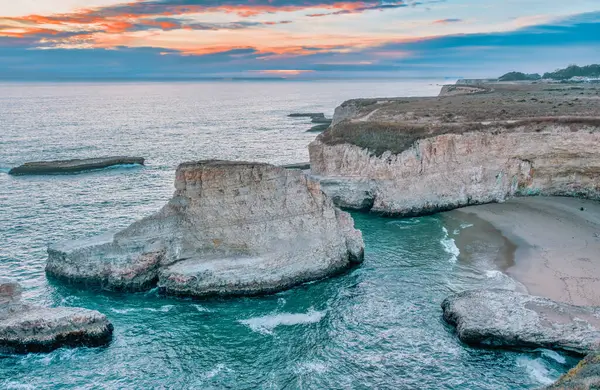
585, 376
72, 166
231, 228
504, 318
414, 156
25, 328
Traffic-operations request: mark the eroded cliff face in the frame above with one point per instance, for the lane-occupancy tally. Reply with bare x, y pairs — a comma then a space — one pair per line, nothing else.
454, 170
412, 156
231, 228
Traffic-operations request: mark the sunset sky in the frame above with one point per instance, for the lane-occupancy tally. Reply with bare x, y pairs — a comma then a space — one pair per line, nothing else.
50, 39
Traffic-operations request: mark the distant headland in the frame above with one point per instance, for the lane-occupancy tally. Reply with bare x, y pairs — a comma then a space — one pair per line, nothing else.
572, 73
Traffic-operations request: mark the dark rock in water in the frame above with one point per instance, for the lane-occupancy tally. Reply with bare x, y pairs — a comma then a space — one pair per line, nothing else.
300, 166
312, 115
318, 128
322, 121
504, 318
71, 166
584, 376
231, 228
25, 328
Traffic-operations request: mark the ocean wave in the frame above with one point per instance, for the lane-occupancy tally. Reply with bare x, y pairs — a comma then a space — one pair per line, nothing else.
267, 324
202, 309
12, 385
163, 309
550, 354
537, 370
449, 246
314, 367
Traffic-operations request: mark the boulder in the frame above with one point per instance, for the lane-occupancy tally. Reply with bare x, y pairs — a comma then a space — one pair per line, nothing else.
231, 228
504, 318
26, 328
72, 166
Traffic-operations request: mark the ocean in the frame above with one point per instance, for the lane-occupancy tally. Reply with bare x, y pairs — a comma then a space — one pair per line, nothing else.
378, 326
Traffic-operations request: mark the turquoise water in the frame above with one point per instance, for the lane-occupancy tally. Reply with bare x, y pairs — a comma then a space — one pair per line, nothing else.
376, 326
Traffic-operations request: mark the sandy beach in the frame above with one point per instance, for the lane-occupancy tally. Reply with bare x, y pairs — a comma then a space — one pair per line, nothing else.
549, 244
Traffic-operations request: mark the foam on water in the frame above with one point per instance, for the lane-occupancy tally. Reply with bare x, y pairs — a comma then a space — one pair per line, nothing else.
550, 354
162, 309
267, 324
202, 309
449, 246
537, 370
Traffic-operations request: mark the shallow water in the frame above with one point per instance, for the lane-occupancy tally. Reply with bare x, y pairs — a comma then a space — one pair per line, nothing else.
376, 326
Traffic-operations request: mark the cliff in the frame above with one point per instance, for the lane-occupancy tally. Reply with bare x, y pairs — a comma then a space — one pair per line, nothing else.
412, 156
231, 228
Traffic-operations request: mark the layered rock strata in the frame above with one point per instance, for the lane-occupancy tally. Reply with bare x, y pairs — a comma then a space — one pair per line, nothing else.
26, 328
504, 318
231, 228
73, 166
412, 156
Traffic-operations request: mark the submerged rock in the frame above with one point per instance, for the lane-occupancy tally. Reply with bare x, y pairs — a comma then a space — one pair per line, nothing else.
504, 318
312, 115
71, 166
231, 228
584, 376
25, 328
318, 128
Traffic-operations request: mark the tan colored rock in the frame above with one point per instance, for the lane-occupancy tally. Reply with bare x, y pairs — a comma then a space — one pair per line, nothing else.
231, 228
411, 156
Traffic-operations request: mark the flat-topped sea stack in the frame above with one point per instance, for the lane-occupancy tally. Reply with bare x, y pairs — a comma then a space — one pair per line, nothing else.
73, 166
26, 328
505, 318
231, 228
473, 144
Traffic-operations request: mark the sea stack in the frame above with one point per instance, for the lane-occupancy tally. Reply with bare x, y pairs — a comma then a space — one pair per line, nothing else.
231, 228
25, 328
471, 145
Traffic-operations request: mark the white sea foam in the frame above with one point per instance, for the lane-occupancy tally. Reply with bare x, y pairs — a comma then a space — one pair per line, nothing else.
12, 385
550, 354
494, 274
314, 367
163, 309
267, 324
537, 370
202, 309
465, 225
449, 246
214, 371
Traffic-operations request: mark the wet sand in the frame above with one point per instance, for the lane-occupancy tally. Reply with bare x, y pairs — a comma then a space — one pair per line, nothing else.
548, 244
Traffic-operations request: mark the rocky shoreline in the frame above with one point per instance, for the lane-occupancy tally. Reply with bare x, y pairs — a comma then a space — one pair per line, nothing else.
73, 166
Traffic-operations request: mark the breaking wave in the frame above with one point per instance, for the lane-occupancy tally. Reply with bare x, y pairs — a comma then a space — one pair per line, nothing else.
267, 324
449, 246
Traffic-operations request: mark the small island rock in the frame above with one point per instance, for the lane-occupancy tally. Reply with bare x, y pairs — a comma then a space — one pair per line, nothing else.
26, 328
72, 166
504, 318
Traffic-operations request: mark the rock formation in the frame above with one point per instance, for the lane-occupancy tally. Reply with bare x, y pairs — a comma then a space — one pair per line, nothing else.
25, 328
412, 156
504, 318
231, 228
585, 376
72, 166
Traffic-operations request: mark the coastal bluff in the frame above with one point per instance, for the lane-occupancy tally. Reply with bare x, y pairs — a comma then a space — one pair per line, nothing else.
474, 144
231, 228
25, 328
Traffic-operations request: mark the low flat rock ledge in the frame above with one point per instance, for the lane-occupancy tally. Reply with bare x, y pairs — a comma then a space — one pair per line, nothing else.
231, 228
584, 376
504, 318
26, 328
73, 166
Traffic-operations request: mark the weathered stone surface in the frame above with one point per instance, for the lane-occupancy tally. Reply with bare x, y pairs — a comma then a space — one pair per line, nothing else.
25, 328
504, 318
585, 376
71, 166
231, 228
412, 156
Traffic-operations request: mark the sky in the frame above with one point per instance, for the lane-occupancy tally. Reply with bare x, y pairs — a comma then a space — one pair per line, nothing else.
293, 39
